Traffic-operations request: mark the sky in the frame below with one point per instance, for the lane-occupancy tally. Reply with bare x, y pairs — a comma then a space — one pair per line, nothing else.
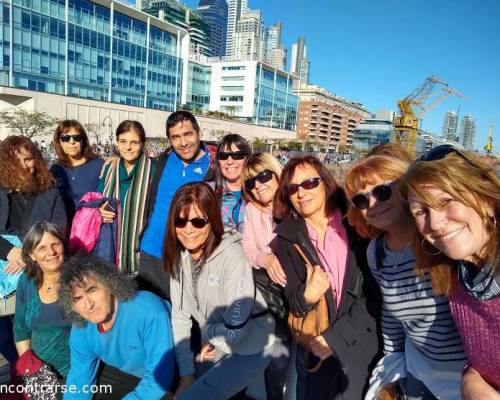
377, 51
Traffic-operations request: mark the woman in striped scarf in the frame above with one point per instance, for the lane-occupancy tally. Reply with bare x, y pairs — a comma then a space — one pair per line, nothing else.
128, 180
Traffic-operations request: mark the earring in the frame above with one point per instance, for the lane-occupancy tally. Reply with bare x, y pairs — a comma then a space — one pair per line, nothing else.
426, 252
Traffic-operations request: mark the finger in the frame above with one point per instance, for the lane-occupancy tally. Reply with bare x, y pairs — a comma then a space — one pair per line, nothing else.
309, 272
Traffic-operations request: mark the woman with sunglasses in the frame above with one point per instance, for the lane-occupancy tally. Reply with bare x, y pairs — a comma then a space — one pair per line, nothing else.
78, 167
128, 180
211, 282
232, 152
311, 205
454, 198
416, 324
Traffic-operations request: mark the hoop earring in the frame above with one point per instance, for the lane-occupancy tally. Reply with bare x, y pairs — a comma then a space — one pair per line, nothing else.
426, 252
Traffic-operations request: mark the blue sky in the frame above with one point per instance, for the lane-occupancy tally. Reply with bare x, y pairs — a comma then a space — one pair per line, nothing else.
378, 51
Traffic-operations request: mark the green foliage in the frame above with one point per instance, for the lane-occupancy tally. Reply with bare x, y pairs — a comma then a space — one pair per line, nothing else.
27, 123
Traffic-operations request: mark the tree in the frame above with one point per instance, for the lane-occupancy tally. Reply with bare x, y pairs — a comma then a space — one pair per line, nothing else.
27, 123
259, 145
231, 110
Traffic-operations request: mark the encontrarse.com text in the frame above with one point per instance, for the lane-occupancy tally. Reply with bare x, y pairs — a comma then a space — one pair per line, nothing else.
42, 388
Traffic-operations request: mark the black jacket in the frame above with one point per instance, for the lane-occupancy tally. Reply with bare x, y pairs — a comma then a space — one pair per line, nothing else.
353, 332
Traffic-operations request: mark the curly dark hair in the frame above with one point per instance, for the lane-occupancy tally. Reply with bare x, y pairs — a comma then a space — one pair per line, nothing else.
12, 174
62, 128
77, 269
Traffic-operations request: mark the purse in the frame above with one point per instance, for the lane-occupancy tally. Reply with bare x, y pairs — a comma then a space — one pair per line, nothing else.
272, 293
312, 324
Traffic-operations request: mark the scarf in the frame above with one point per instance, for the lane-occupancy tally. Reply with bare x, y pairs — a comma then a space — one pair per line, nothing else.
132, 210
483, 285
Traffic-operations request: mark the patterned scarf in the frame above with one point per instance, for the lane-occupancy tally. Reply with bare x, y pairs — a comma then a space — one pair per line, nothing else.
483, 285
131, 213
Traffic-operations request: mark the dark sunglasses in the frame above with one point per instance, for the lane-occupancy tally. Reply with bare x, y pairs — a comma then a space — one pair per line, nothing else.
440, 152
308, 184
236, 155
381, 192
197, 223
263, 177
66, 138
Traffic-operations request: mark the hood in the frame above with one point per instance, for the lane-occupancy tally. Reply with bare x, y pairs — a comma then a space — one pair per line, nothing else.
227, 240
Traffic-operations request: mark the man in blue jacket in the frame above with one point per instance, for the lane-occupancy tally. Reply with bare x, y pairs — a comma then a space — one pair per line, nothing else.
129, 331
188, 160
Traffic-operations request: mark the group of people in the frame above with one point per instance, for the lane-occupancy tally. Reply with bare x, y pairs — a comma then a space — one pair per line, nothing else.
220, 252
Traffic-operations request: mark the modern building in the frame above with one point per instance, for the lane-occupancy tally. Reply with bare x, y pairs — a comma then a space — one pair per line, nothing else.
214, 13
235, 10
255, 92
450, 126
101, 50
373, 131
198, 87
468, 132
179, 15
250, 34
327, 119
275, 53
300, 65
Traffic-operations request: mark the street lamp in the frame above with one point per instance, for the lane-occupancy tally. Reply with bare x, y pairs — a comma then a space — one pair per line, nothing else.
109, 124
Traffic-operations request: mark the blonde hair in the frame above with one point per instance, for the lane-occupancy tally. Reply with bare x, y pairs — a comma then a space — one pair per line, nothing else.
366, 172
470, 181
254, 164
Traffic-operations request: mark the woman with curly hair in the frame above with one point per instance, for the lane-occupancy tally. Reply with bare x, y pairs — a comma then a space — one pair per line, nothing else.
27, 195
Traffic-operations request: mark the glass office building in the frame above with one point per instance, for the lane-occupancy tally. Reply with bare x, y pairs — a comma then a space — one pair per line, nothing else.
96, 50
198, 89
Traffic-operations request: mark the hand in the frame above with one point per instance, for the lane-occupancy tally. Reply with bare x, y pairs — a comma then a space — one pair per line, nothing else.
207, 353
317, 283
15, 261
320, 348
474, 387
106, 215
184, 383
274, 269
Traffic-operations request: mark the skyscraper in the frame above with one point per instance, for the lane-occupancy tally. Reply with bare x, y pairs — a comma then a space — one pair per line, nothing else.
250, 37
275, 54
214, 12
468, 132
300, 65
450, 126
235, 9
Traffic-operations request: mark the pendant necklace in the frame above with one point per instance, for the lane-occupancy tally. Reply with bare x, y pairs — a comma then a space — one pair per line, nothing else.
73, 176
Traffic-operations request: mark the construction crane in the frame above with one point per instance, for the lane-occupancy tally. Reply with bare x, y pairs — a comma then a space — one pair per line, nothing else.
489, 144
414, 106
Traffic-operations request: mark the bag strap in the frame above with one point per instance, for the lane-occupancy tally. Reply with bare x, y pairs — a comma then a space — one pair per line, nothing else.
379, 251
250, 316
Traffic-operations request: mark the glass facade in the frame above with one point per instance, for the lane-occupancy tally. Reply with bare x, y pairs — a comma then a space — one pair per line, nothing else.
215, 13
275, 103
94, 53
198, 92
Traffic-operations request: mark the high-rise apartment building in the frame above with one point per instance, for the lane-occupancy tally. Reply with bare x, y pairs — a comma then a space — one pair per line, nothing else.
250, 31
300, 65
214, 12
450, 126
468, 132
275, 53
235, 10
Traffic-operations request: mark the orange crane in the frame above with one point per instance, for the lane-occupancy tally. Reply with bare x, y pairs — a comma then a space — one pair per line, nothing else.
411, 109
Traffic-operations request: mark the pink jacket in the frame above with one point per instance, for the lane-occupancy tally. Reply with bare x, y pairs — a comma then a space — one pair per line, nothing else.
258, 232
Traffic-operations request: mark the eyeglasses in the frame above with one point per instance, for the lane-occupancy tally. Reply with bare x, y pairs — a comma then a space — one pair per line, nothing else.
381, 192
263, 177
66, 138
307, 184
440, 152
198, 223
236, 155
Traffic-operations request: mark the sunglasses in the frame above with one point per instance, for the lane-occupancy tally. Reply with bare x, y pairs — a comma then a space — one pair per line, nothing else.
263, 177
381, 192
440, 152
198, 223
66, 138
236, 155
308, 184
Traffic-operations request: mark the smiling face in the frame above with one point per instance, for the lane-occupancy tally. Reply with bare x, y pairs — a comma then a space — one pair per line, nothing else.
185, 140
455, 228
308, 202
230, 168
264, 192
49, 253
93, 301
193, 239
73, 148
129, 146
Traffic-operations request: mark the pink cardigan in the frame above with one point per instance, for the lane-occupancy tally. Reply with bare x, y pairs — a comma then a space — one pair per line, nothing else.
258, 232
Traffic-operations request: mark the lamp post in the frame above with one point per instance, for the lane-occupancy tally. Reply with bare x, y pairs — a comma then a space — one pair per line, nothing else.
109, 124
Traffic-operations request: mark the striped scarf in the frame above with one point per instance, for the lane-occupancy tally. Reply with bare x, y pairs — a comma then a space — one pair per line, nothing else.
131, 213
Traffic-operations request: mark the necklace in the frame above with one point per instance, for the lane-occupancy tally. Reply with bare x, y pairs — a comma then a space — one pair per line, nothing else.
73, 175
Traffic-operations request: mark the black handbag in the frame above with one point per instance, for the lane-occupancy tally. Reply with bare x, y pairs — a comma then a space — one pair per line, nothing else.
272, 293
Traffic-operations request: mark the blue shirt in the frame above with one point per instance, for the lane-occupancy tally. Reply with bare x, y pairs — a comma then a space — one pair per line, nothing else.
174, 175
139, 343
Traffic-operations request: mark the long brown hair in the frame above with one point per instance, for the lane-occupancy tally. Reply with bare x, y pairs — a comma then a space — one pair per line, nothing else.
62, 128
468, 180
334, 194
13, 176
201, 195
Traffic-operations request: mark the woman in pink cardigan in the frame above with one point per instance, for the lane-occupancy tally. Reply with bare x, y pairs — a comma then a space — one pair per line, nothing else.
260, 177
